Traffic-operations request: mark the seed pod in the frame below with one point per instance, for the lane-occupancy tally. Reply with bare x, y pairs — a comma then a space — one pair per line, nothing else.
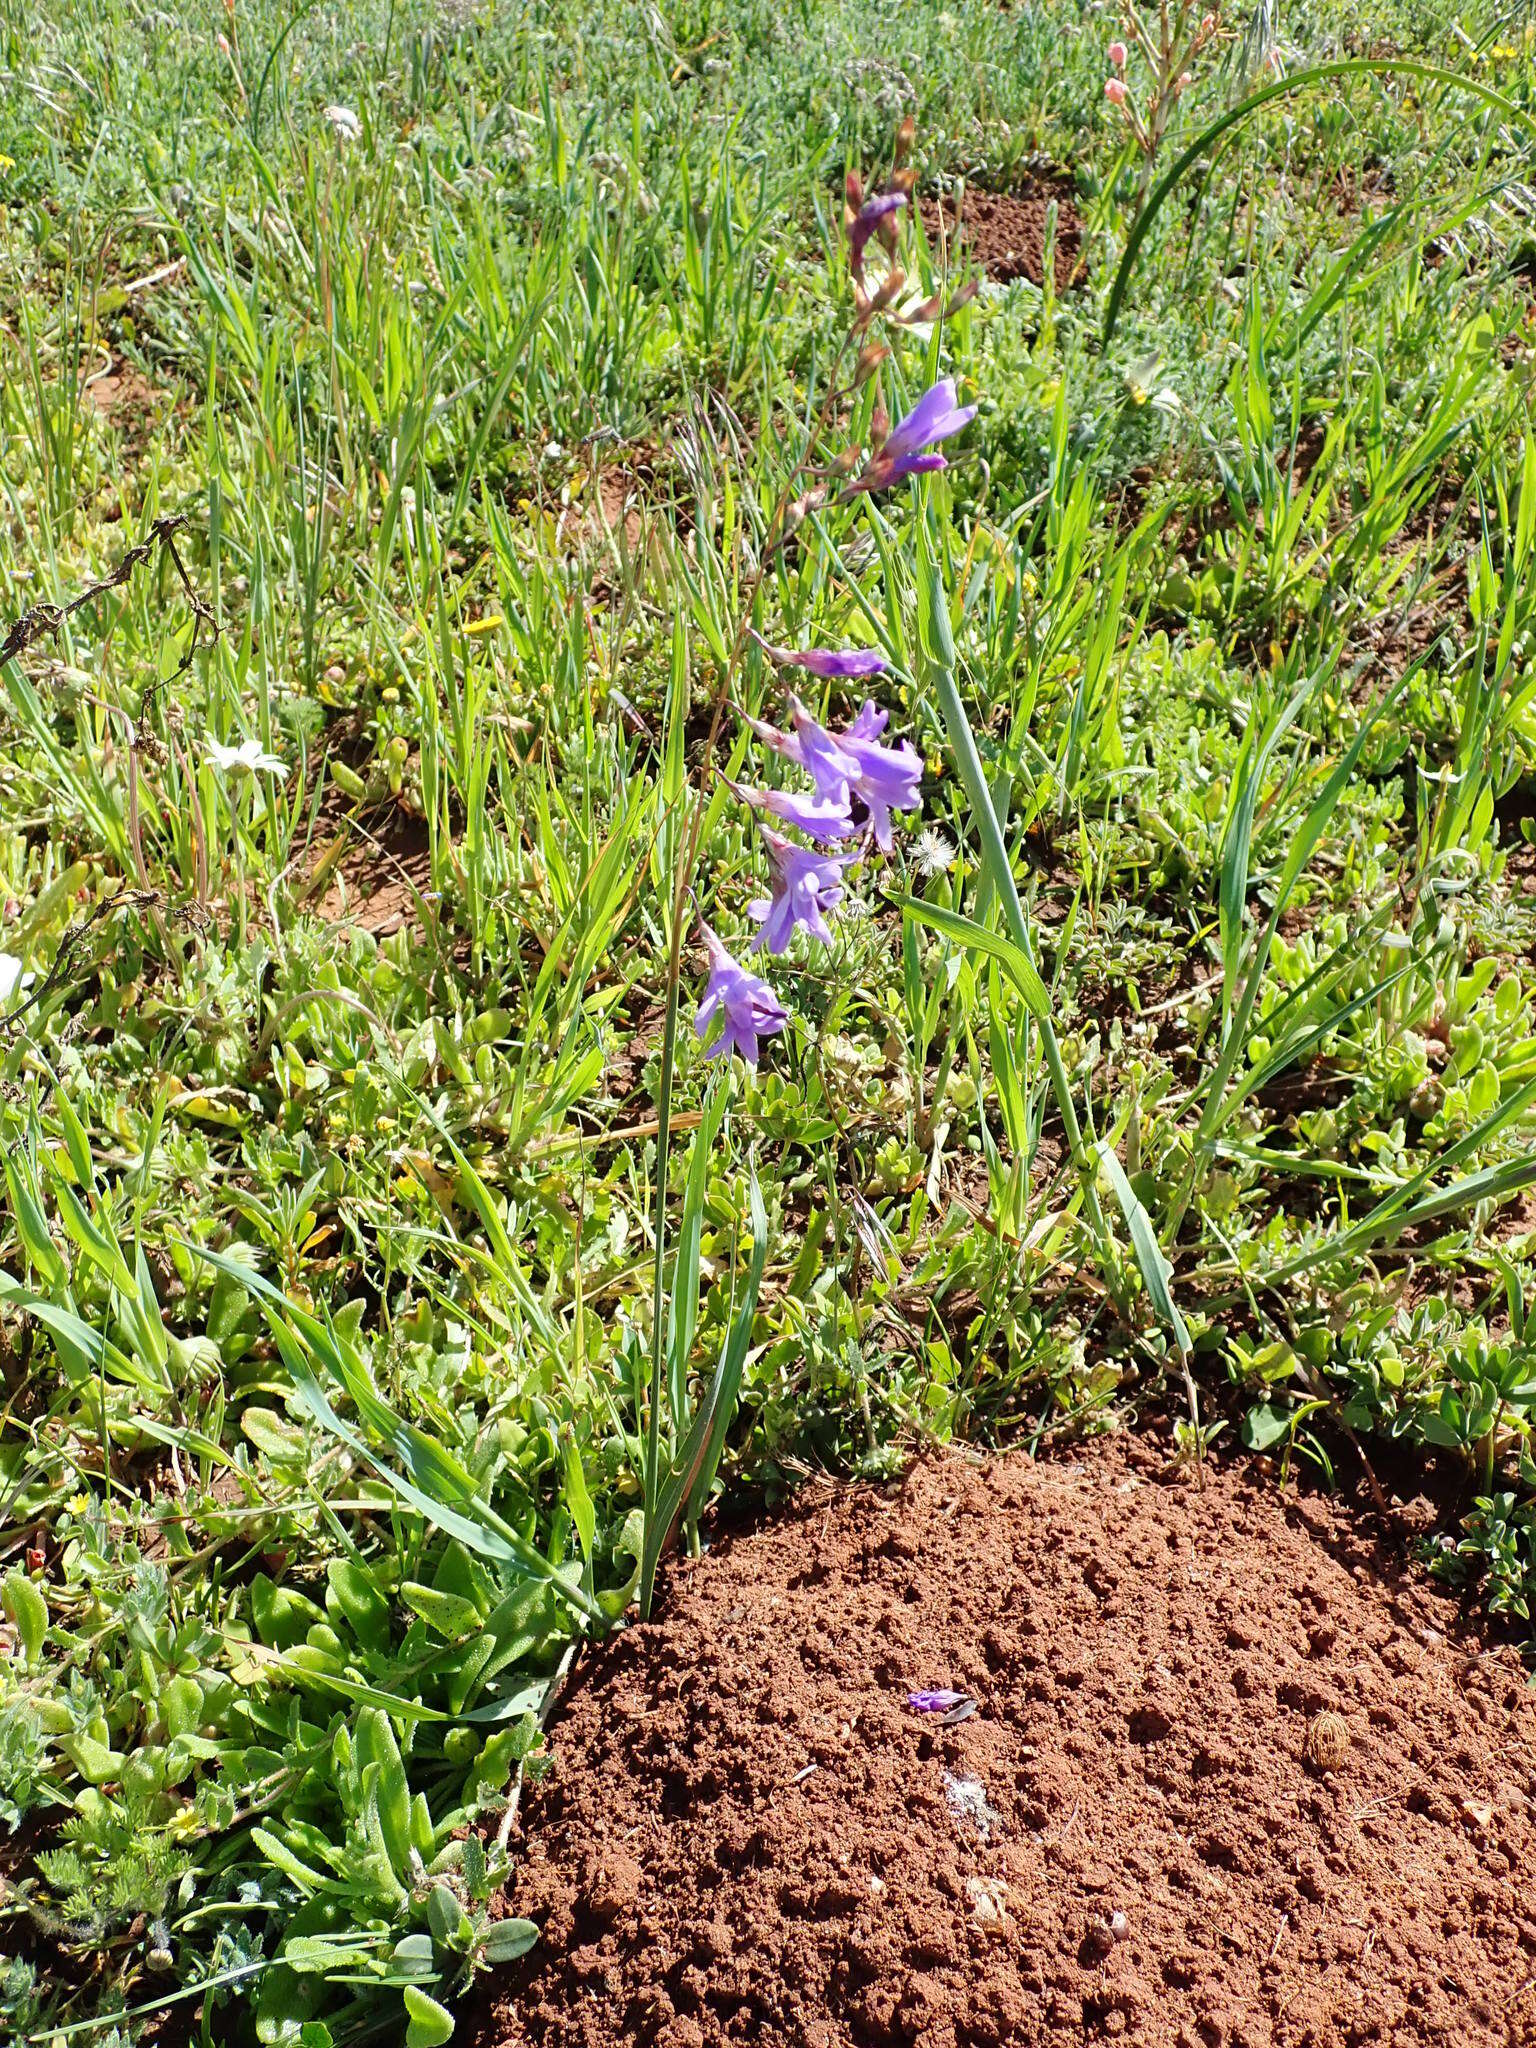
1327, 1743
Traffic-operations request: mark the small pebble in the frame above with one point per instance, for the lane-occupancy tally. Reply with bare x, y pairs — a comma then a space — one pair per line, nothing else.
989, 1899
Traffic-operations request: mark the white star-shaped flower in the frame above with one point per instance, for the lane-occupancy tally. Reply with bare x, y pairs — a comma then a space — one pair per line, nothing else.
246, 759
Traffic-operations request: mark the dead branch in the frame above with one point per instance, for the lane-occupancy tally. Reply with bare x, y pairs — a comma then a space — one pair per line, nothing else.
44, 618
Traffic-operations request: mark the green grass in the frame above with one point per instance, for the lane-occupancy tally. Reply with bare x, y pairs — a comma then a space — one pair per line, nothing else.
375, 1308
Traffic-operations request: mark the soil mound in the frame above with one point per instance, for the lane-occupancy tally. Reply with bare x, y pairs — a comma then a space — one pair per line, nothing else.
1234, 1775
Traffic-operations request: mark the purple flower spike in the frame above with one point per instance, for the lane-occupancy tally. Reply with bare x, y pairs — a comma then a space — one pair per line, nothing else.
867, 220
935, 417
806, 886
938, 1701
748, 1005
885, 779
824, 661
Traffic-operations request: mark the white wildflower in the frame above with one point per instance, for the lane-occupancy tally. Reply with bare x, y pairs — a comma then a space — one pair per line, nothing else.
246, 759
933, 853
347, 125
12, 976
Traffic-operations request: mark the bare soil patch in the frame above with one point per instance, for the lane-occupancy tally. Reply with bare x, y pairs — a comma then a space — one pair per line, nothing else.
614, 510
376, 870
1235, 1775
127, 399
1005, 231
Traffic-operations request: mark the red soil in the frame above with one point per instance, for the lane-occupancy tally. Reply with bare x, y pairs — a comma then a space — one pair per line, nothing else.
749, 1835
1005, 232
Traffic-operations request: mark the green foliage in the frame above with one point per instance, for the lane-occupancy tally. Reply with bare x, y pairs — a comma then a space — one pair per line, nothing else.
372, 1317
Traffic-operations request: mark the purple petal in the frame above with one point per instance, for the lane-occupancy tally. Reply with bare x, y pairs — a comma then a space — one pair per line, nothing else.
937, 1701
885, 779
874, 210
881, 471
868, 218
913, 430
915, 465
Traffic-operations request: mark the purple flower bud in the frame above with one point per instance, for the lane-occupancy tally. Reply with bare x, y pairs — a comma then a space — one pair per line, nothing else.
806, 886
747, 1004
823, 661
865, 222
937, 1701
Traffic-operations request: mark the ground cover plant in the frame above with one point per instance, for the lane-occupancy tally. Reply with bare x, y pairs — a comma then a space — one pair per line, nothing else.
465, 471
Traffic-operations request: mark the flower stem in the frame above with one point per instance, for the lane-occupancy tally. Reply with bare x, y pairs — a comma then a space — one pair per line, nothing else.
659, 1291
941, 654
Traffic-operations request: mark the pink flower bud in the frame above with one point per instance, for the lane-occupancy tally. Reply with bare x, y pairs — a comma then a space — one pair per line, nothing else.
1207, 24
1117, 55
1186, 80
1114, 90
223, 42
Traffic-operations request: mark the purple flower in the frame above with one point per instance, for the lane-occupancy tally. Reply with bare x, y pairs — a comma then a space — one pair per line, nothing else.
745, 1001
938, 1701
806, 886
811, 747
808, 814
935, 417
868, 218
823, 661
885, 779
